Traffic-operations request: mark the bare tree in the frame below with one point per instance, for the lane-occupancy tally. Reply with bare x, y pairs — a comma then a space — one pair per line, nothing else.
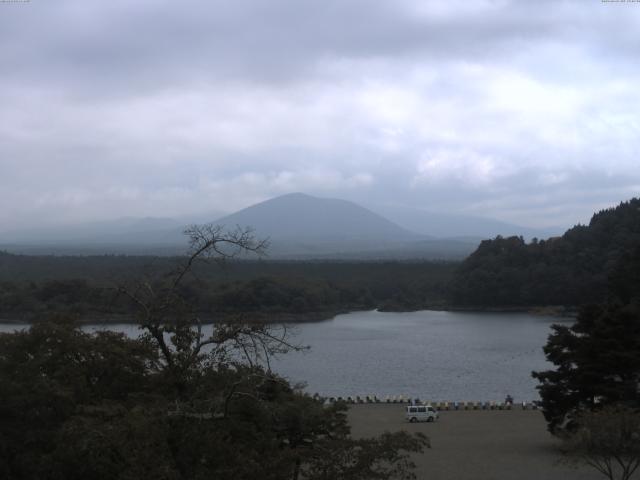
607, 440
176, 327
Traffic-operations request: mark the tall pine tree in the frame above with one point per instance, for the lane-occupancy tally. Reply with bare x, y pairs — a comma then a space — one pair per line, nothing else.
598, 358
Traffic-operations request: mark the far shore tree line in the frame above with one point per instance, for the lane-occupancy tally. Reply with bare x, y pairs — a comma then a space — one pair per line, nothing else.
86, 287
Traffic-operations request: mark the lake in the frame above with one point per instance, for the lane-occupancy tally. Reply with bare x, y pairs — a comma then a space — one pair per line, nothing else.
456, 356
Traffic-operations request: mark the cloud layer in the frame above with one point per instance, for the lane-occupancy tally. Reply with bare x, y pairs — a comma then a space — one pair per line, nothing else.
523, 111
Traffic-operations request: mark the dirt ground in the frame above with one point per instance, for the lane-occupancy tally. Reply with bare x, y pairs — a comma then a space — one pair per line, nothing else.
476, 445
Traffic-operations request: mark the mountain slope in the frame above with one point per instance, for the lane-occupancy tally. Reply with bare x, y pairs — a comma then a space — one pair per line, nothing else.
300, 217
445, 225
299, 226
130, 230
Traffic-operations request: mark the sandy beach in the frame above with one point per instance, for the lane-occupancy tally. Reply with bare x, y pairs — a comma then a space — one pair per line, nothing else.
476, 445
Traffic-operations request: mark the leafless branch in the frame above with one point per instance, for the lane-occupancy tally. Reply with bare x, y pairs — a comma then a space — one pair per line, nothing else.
170, 320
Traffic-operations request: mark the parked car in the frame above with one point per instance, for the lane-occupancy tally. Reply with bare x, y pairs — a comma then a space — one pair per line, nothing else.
421, 413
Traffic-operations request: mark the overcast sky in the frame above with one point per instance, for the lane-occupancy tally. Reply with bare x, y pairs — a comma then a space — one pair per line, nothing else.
525, 111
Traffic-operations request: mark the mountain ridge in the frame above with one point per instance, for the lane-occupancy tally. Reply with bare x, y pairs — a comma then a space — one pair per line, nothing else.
301, 216
298, 225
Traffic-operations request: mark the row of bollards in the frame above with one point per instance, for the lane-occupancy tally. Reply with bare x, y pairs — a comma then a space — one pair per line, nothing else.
444, 405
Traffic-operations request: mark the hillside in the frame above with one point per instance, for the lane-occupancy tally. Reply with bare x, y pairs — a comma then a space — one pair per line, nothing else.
452, 225
299, 227
569, 270
297, 216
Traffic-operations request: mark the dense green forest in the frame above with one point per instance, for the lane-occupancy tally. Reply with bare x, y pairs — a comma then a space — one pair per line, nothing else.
88, 286
570, 270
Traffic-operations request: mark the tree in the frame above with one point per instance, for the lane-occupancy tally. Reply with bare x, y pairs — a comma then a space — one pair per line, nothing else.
597, 358
174, 403
597, 363
54, 376
570, 270
607, 440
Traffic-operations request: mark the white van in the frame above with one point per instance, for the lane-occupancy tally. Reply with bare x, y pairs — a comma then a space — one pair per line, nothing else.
421, 413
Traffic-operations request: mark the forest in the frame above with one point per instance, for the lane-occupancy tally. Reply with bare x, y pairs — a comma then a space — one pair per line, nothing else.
88, 287
568, 271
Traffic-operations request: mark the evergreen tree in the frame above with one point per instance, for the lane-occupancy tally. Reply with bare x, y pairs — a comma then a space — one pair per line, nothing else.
597, 363
570, 270
597, 359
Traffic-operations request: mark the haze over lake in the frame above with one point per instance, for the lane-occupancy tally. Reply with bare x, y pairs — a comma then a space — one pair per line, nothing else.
458, 356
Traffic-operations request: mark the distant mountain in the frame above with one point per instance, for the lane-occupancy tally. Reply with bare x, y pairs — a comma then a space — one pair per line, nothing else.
303, 218
126, 230
299, 226
445, 225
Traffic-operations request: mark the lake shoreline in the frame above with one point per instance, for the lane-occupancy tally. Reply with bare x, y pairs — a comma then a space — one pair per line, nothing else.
248, 317
544, 310
307, 317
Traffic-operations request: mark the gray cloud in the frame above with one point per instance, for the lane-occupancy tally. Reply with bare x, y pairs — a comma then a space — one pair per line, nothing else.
162, 42
526, 111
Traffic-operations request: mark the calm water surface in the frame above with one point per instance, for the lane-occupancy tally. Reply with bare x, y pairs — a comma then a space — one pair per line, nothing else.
428, 354
432, 355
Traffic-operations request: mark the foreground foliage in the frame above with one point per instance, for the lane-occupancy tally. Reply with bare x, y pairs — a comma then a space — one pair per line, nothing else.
608, 440
597, 363
75, 405
597, 359
174, 403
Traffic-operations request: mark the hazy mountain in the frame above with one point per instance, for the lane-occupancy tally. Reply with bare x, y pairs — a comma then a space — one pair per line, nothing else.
119, 235
465, 227
298, 226
122, 230
302, 226
300, 217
